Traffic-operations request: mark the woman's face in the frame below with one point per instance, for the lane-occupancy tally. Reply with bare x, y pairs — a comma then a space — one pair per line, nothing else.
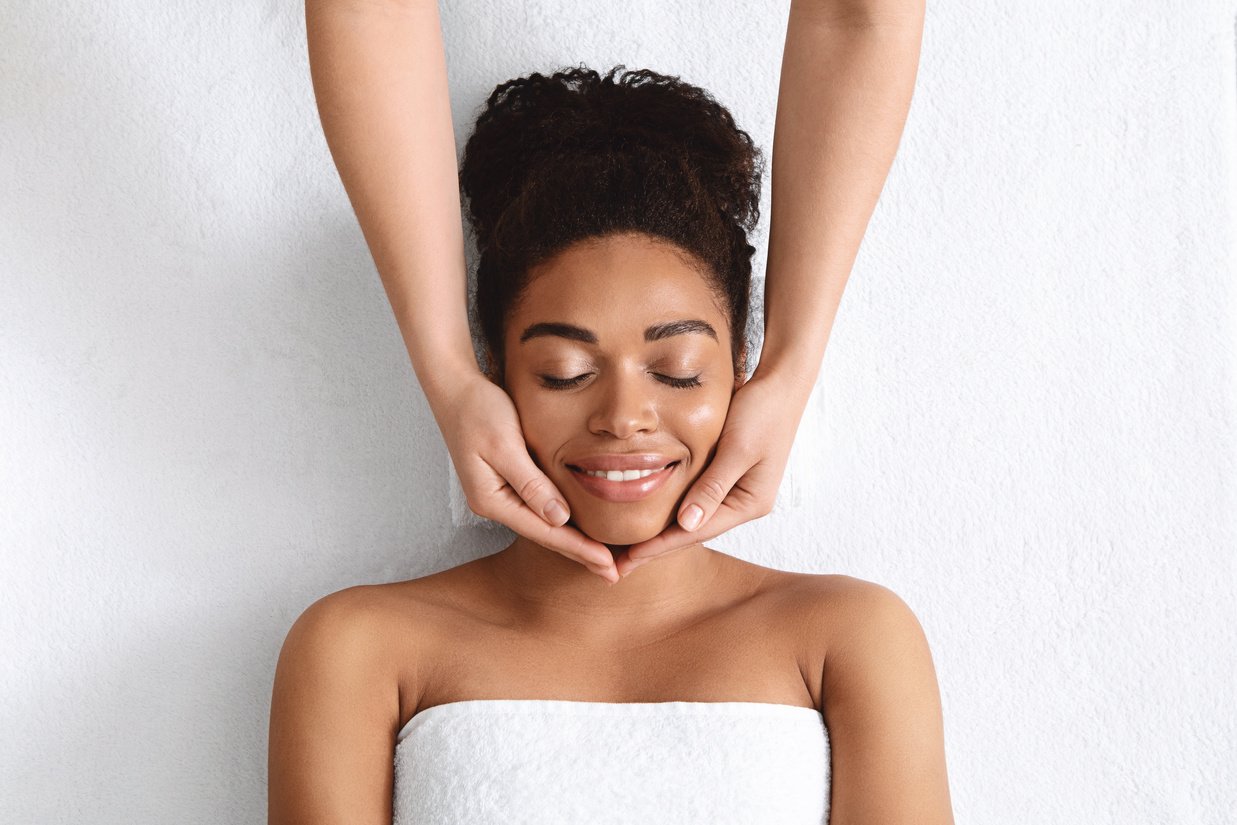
612, 366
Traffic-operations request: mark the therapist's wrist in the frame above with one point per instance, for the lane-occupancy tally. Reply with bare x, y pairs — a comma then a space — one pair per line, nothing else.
797, 369
445, 375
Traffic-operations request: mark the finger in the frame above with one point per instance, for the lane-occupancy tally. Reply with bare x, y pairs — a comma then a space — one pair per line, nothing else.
515, 466
729, 464
667, 541
620, 560
675, 537
510, 509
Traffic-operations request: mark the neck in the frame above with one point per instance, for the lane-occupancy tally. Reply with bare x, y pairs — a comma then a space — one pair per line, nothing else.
555, 593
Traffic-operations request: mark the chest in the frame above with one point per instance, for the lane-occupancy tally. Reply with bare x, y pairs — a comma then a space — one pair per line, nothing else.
758, 651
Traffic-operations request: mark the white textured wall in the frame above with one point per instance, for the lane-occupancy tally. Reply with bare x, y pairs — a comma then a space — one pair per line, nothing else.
1024, 424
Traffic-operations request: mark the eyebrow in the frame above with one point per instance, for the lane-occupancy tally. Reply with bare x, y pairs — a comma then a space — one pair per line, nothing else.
653, 333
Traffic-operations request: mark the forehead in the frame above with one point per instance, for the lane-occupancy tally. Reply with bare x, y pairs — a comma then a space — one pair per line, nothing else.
620, 283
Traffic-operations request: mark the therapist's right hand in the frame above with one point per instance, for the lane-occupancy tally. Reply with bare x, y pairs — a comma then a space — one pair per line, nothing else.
501, 482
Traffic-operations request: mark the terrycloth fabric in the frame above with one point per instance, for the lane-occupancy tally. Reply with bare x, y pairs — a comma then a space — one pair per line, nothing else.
546, 761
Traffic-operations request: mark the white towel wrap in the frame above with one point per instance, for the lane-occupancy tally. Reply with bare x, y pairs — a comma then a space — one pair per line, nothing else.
546, 761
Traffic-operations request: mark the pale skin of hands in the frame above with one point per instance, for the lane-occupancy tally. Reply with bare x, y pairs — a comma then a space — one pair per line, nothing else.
380, 80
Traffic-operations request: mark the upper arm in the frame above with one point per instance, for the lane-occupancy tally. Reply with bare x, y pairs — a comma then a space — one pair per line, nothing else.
882, 706
863, 13
334, 709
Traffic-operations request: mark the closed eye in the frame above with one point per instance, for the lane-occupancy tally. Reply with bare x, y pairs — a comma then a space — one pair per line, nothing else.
567, 383
562, 383
682, 383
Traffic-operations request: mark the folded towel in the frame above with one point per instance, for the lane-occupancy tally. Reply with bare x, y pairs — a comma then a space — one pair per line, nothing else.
548, 761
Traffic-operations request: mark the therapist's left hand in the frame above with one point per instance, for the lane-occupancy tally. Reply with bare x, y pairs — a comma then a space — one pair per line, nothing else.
741, 482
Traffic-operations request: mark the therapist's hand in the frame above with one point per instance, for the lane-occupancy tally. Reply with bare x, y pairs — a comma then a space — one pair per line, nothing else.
740, 483
500, 480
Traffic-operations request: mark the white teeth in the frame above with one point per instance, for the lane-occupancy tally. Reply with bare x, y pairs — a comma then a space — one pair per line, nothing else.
622, 475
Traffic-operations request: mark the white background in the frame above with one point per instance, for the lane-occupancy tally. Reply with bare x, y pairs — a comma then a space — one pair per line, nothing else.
1024, 423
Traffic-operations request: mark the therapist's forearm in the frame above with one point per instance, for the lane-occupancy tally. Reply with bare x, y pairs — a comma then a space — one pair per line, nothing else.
848, 73
380, 78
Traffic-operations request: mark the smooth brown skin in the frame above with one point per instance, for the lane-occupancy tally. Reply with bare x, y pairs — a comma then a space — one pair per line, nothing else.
616, 287
528, 622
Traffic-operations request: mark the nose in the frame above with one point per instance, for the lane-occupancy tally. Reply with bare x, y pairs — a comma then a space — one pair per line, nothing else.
624, 405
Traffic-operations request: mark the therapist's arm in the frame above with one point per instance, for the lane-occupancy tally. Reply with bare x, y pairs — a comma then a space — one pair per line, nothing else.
848, 73
380, 79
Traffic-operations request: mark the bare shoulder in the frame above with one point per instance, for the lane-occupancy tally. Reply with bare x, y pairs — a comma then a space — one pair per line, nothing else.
370, 605
861, 605
341, 636
335, 708
834, 607
375, 628
337, 622
360, 613
356, 604
879, 697
869, 634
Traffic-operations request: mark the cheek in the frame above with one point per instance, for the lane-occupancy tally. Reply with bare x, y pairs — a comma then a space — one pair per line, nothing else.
544, 420
702, 418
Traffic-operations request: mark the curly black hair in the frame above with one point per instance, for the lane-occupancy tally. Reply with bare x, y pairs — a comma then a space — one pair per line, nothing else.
555, 160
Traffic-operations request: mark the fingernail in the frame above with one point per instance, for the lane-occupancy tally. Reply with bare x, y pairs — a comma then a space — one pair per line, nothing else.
691, 517
606, 572
556, 513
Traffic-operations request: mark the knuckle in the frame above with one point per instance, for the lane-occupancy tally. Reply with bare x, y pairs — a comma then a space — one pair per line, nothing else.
746, 447
532, 488
490, 448
713, 489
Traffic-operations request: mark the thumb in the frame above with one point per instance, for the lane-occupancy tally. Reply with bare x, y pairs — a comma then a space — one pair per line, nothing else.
714, 484
516, 466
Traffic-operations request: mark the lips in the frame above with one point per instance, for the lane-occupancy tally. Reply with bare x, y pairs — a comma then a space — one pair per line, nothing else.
621, 461
623, 491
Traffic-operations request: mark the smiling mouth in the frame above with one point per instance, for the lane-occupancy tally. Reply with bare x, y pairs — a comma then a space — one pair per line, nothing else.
623, 486
620, 475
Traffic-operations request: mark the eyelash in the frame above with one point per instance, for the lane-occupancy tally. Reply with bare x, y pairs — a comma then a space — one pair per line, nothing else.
567, 383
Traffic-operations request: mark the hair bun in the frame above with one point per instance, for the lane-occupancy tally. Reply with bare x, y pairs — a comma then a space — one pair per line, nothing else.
575, 154
537, 126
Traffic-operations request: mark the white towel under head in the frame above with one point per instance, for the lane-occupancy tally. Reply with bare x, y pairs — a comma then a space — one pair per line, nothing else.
547, 761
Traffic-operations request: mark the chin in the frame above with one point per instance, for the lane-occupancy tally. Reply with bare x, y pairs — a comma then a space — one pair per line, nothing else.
622, 531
